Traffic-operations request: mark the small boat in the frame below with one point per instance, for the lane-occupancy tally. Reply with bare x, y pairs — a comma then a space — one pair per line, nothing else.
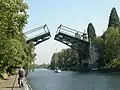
57, 70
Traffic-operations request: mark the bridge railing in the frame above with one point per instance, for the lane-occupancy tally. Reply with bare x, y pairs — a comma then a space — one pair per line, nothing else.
37, 32
72, 32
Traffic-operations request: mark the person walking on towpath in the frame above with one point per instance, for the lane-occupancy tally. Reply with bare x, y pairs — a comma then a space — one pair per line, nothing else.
21, 73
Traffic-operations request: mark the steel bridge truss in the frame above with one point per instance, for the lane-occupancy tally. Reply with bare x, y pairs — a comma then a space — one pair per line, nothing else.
38, 35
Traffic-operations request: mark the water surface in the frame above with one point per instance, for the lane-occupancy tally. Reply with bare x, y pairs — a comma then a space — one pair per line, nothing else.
42, 79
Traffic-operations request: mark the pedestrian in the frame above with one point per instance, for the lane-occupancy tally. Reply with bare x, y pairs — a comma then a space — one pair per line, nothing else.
21, 73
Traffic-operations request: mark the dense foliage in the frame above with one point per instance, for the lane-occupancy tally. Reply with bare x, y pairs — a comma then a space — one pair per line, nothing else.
14, 51
112, 47
65, 59
110, 41
43, 65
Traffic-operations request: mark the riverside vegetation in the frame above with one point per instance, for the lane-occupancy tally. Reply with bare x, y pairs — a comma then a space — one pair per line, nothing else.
14, 51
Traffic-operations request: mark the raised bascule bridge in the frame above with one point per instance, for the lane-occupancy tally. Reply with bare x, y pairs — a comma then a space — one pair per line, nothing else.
73, 38
38, 35
77, 41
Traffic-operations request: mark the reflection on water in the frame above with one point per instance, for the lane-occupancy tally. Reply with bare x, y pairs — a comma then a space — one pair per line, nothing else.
42, 79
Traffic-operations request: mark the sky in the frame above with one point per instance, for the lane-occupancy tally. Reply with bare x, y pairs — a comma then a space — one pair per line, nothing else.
76, 14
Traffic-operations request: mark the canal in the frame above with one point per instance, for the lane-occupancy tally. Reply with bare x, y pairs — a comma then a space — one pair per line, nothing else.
42, 79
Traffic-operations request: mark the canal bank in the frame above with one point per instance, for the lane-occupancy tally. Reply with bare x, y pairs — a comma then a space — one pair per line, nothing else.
99, 70
28, 86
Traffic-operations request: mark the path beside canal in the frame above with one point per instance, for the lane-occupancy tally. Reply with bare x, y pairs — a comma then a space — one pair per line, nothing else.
10, 84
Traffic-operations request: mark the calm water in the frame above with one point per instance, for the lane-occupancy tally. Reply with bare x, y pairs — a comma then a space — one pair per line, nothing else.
67, 80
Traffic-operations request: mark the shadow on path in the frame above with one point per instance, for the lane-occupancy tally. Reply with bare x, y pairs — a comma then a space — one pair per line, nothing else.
10, 87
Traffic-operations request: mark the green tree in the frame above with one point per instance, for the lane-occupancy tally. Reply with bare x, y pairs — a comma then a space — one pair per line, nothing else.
110, 40
91, 33
30, 55
66, 59
13, 48
112, 44
113, 19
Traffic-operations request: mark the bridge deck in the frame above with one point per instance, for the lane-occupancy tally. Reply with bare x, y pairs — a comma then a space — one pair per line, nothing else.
60, 35
38, 37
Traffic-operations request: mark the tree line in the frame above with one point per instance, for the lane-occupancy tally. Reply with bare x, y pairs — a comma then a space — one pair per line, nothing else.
14, 51
108, 47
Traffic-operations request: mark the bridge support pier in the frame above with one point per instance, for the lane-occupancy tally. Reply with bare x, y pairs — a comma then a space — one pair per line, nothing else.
83, 63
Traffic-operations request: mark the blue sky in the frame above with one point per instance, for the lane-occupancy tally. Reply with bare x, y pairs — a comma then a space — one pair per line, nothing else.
72, 13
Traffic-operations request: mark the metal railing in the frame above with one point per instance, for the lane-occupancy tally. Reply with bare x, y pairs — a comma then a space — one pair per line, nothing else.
37, 32
29, 87
72, 32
